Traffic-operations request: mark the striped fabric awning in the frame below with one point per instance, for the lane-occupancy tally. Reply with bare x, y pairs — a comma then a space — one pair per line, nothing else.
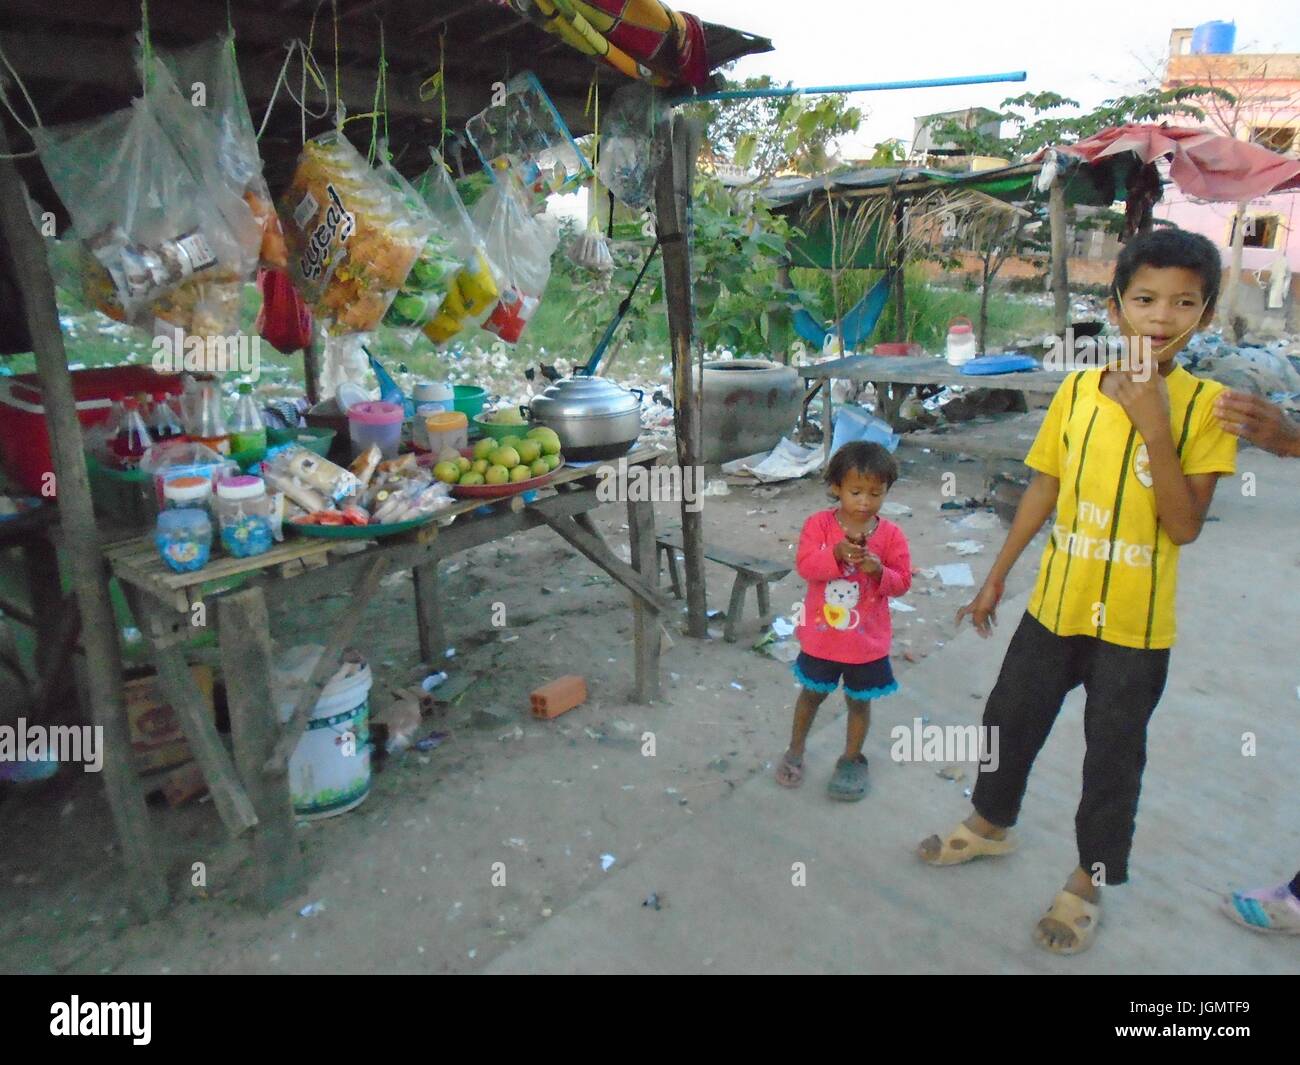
642, 39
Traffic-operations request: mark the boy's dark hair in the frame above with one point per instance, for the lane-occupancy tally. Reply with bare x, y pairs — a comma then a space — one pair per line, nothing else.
1170, 247
869, 459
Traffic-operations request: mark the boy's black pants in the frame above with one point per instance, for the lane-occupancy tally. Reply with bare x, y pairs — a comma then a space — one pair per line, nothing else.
1123, 685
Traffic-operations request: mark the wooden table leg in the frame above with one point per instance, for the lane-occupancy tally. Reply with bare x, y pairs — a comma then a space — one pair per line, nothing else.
646, 620
180, 690
428, 612
246, 662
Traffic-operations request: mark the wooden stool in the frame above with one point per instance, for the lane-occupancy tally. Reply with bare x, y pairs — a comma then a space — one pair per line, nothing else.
757, 573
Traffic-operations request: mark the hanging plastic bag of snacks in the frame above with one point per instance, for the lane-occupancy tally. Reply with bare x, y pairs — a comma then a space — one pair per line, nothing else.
522, 246
352, 240
137, 206
211, 67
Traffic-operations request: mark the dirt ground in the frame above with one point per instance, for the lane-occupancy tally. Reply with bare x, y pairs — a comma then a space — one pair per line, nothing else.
405, 882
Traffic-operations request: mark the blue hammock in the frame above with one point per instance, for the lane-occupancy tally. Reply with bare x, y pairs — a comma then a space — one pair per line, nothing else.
859, 323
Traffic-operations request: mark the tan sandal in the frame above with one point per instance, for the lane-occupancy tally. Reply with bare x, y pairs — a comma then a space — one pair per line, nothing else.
972, 846
1078, 915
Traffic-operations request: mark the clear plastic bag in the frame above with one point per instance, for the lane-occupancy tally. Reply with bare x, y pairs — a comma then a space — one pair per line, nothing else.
351, 237
211, 68
521, 246
139, 208
524, 136
629, 154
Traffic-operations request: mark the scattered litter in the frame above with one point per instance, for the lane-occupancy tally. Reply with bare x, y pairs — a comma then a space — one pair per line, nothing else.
716, 488
431, 741
312, 909
901, 607
674, 677
509, 639
787, 461
473, 954
737, 686
784, 651
654, 900
516, 733
546, 912
929, 574
515, 841
450, 653
965, 547
714, 614
980, 519
433, 680
894, 510
607, 860
954, 504
783, 627
956, 575
966, 792
952, 772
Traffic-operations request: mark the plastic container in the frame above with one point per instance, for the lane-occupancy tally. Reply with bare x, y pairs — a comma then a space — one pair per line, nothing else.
436, 394
247, 429
245, 515
163, 424
857, 423
961, 342
24, 435
184, 538
447, 429
180, 493
376, 422
1214, 38
469, 400
124, 497
329, 770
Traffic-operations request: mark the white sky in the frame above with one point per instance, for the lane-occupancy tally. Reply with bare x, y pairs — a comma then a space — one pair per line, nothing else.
1089, 51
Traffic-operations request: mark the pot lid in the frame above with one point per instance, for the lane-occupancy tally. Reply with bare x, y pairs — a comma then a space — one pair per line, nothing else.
585, 397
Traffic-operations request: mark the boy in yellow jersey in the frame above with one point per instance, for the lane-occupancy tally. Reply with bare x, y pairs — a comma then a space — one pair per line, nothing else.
1127, 458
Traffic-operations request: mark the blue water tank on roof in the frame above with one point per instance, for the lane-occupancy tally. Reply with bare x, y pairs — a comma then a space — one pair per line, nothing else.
1214, 38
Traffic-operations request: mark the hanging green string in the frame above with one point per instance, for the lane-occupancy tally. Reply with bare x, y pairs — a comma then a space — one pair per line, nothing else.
146, 45
381, 100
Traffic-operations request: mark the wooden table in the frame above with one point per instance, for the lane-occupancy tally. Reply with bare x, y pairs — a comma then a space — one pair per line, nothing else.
252, 794
909, 371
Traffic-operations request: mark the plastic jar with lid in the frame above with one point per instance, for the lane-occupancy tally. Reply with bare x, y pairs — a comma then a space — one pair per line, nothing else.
184, 538
447, 429
245, 513
180, 493
378, 423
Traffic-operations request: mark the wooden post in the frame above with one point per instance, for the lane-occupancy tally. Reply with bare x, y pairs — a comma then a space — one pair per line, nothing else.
1060, 278
645, 621
246, 662
85, 561
1230, 318
311, 370
428, 612
678, 143
900, 278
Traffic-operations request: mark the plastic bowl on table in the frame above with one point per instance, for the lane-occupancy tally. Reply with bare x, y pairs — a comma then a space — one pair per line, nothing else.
469, 400
313, 438
360, 532
500, 432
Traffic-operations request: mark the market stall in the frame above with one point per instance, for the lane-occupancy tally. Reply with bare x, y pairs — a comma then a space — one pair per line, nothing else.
226, 227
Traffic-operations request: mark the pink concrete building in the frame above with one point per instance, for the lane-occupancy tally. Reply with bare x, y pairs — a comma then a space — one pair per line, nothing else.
1267, 111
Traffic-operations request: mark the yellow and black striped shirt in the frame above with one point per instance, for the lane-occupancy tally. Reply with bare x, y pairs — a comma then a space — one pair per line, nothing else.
1109, 570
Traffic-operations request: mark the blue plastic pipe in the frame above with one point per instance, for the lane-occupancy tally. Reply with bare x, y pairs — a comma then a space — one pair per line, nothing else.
866, 86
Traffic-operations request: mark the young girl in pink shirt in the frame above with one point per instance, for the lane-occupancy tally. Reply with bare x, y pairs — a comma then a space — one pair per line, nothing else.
854, 562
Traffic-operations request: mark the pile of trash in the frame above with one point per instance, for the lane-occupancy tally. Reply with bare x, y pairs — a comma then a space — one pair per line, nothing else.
1268, 368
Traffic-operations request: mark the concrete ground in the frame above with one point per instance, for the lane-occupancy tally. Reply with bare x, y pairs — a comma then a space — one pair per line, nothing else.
1211, 817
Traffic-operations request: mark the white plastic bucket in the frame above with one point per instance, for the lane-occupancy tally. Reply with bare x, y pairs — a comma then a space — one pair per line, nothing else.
329, 771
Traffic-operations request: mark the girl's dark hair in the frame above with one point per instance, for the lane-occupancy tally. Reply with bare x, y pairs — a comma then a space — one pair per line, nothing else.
1170, 247
869, 459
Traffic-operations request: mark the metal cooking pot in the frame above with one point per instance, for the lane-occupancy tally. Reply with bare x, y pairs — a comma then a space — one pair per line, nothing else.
594, 418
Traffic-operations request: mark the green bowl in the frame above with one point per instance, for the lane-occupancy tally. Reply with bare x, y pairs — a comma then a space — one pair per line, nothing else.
469, 400
500, 432
317, 441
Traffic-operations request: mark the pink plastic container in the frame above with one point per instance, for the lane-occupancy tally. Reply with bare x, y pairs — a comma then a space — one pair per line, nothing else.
376, 423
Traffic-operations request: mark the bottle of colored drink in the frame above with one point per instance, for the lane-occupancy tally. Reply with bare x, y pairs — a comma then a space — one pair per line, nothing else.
131, 440
162, 420
209, 424
247, 430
